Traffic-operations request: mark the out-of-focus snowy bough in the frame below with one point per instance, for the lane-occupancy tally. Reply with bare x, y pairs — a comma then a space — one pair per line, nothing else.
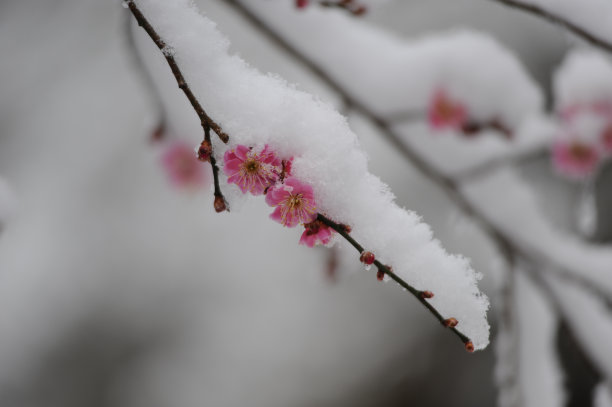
528, 372
399, 80
266, 117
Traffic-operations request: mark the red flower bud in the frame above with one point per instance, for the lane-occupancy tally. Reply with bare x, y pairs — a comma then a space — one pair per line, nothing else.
367, 258
469, 346
426, 294
380, 275
359, 11
220, 204
301, 3
158, 133
450, 322
205, 151
346, 228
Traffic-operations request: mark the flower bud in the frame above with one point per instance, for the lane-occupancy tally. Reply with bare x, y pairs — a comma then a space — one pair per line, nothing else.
220, 204
346, 228
204, 151
450, 322
367, 258
469, 346
380, 275
158, 133
426, 294
359, 11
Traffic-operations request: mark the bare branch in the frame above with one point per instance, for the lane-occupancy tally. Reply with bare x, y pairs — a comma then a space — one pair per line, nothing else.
182, 83
160, 112
220, 204
556, 19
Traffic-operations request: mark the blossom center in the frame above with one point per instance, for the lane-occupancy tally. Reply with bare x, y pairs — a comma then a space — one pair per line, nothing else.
295, 202
581, 152
251, 166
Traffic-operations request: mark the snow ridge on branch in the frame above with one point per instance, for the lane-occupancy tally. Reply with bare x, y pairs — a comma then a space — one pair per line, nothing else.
260, 111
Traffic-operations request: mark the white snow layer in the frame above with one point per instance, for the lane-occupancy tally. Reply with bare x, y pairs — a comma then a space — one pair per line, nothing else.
594, 16
527, 369
584, 76
539, 371
507, 202
258, 109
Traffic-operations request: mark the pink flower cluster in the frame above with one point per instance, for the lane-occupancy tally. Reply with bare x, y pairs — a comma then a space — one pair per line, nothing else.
261, 171
585, 140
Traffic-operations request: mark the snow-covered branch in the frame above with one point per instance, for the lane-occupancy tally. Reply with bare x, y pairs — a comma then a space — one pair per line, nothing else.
305, 171
478, 206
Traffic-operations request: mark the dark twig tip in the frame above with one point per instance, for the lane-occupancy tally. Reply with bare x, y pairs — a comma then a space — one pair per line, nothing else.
220, 204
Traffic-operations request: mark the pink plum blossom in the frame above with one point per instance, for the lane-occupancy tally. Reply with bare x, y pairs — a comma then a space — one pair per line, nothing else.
444, 112
316, 232
574, 158
252, 170
294, 202
182, 167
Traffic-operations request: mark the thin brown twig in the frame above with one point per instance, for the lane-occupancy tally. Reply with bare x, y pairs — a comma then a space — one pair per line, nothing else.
348, 5
220, 204
148, 81
418, 294
554, 18
448, 185
180, 79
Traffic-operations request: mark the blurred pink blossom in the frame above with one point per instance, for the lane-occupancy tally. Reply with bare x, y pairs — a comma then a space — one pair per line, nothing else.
574, 158
443, 112
252, 170
294, 202
182, 166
